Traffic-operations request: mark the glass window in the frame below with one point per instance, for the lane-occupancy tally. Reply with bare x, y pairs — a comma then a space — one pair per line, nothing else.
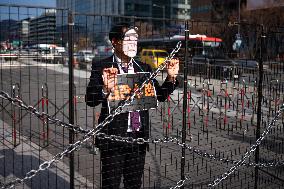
161, 54
129, 7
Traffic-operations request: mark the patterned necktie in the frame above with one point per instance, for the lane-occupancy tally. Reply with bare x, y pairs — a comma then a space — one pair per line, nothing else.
135, 123
125, 69
134, 116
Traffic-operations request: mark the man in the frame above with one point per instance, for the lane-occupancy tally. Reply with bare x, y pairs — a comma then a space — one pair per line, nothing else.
120, 158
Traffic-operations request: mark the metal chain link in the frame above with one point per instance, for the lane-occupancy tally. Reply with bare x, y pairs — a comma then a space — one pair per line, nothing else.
201, 153
181, 182
41, 115
226, 160
248, 153
45, 165
270, 164
241, 162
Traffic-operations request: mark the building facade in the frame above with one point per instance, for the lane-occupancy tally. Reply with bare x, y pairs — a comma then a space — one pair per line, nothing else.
43, 28
105, 11
79, 6
19, 32
201, 9
180, 9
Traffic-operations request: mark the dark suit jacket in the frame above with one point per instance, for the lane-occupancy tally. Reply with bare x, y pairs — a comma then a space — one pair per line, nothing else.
119, 125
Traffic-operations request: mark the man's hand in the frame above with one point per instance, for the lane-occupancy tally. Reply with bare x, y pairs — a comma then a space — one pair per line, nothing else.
109, 78
173, 68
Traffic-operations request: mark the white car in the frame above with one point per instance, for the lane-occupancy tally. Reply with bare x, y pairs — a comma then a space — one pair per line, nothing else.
85, 56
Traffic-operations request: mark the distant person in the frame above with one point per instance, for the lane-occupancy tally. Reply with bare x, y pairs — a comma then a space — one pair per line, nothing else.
120, 158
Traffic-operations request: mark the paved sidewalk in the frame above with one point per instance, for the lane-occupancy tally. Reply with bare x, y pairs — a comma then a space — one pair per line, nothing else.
162, 169
15, 162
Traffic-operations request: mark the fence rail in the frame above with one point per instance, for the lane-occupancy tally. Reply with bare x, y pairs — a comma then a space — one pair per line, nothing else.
222, 127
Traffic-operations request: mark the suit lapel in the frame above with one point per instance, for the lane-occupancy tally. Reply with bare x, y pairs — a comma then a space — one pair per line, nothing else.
137, 67
110, 62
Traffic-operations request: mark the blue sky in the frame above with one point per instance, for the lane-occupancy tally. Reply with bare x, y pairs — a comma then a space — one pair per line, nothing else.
16, 14
31, 2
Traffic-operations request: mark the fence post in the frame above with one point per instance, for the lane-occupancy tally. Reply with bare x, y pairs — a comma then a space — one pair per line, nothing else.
184, 101
71, 93
260, 81
14, 129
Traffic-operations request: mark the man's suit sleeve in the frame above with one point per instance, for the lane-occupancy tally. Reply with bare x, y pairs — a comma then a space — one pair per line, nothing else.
94, 94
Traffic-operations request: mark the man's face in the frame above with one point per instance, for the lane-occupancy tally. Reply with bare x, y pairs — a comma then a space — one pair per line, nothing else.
129, 43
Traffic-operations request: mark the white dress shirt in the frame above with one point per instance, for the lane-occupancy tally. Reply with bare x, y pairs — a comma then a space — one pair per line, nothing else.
130, 71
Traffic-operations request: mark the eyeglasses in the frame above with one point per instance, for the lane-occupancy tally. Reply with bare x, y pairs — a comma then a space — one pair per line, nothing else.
133, 37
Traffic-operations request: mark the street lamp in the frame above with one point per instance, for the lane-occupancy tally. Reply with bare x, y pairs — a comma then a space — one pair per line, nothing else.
239, 17
239, 39
238, 42
164, 22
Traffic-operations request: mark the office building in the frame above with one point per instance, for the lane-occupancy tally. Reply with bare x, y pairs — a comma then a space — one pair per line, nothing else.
5, 26
94, 18
180, 9
43, 28
19, 32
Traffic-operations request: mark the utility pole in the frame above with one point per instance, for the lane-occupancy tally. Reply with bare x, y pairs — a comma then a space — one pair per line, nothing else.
71, 93
259, 100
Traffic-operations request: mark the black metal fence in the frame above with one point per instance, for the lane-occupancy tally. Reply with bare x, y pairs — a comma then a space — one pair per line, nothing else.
204, 135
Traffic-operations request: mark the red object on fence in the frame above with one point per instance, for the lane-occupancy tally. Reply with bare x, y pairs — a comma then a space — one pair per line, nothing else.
226, 93
225, 120
188, 108
206, 121
169, 112
14, 129
208, 93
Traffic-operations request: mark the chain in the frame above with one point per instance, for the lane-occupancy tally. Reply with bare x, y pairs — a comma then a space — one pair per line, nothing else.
187, 146
41, 115
45, 165
270, 164
226, 160
135, 140
44, 116
116, 138
181, 182
241, 162
248, 154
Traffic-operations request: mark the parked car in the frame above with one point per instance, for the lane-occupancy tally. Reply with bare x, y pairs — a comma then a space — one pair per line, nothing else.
246, 63
275, 65
85, 56
217, 68
212, 63
249, 66
153, 57
102, 52
63, 58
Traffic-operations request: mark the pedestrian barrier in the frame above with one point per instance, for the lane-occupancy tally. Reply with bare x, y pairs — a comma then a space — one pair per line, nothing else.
222, 127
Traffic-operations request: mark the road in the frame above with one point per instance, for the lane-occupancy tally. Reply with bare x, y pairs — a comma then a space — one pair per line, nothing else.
222, 122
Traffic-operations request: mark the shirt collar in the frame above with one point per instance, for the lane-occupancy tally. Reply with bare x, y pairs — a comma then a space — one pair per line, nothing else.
118, 60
